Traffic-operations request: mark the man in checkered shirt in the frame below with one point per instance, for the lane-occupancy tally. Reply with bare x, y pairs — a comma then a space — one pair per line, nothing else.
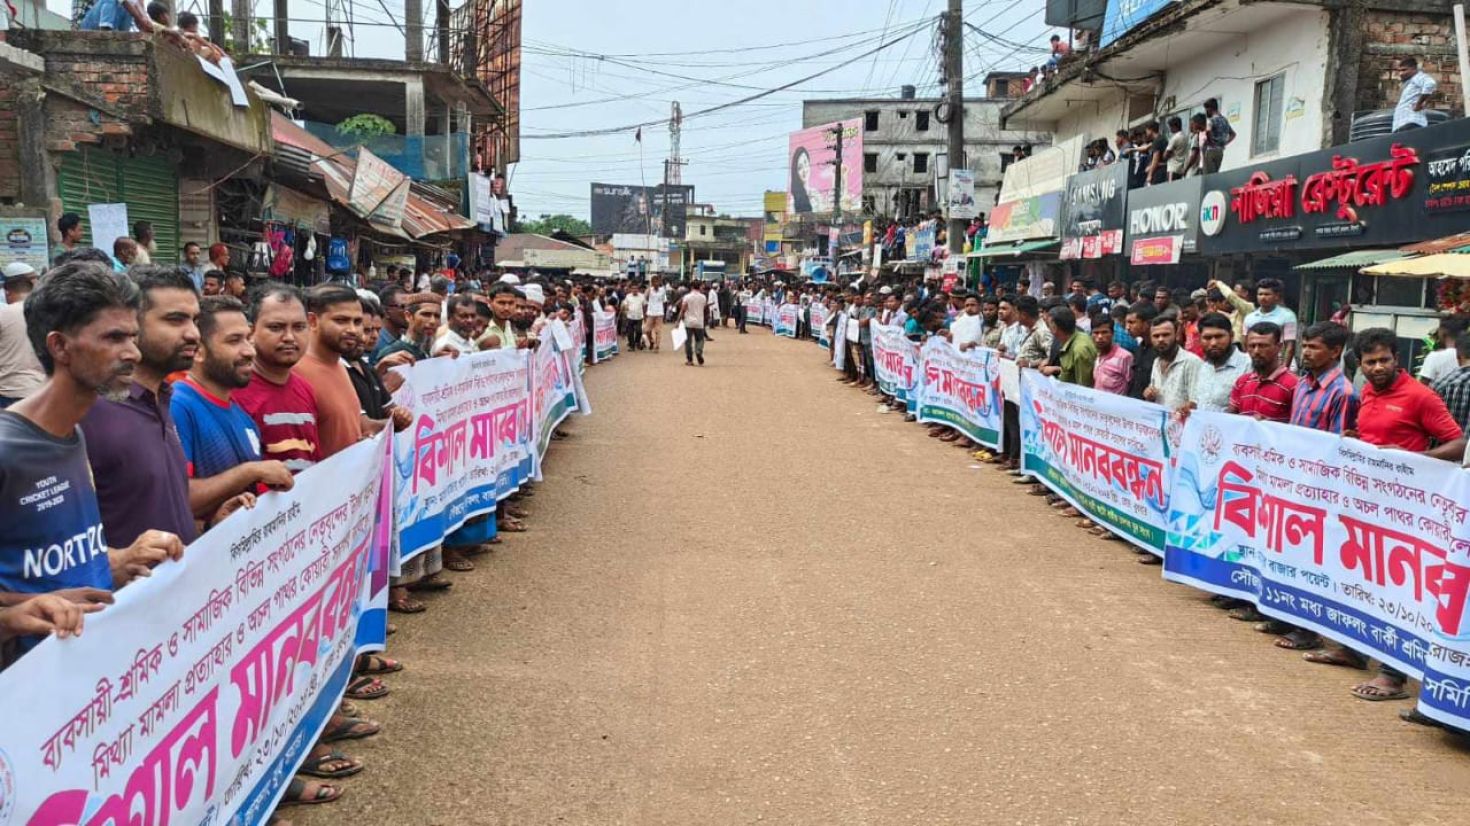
1454, 388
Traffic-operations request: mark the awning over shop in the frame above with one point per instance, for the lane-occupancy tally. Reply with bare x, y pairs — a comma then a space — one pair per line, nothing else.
1459, 242
1013, 248
422, 216
1357, 259
1444, 265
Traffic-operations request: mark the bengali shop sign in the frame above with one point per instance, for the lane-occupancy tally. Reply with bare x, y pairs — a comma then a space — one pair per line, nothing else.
1370, 547
195, 696
961, 390
1108, 455
786, 318
604, 336
469, 445
895, 362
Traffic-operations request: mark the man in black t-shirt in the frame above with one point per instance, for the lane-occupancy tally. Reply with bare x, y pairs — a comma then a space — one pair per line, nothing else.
1158, 149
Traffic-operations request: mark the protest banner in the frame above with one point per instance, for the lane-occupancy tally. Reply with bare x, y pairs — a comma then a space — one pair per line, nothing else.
604, 336
196, 695
896, 363
1107, 455
786, 319
469, 445
961, 390
768, 312
754, 311
1367, 546
553, 391
820, 315
839, 342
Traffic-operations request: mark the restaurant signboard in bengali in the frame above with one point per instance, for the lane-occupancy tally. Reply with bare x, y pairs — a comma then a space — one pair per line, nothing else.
1385, 191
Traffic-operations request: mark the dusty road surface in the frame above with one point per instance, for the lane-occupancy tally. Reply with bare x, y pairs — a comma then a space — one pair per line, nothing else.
749, 598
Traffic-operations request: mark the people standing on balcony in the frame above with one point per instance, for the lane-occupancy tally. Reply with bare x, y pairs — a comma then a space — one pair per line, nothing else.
1157, 171
1218, 135
119, 16
1414, 98
1177, 151
1059, 52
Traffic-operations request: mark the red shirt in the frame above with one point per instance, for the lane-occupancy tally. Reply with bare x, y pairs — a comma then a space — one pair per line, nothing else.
1268, 397
1407, 415
286, 415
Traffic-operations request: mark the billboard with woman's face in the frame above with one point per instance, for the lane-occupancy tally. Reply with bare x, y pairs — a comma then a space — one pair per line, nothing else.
813, 176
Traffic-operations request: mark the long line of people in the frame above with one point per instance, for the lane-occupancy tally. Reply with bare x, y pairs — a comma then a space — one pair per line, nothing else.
139, 413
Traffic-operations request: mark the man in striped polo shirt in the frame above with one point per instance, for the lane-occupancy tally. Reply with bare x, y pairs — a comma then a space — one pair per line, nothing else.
1324, 400
1266, 390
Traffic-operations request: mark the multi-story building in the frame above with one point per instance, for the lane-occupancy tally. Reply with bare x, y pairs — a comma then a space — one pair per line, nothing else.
903, 140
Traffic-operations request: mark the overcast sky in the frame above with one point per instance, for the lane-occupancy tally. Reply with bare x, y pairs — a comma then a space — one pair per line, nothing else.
601, 64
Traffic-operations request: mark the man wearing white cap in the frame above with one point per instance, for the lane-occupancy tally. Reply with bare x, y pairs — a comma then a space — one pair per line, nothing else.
20, 371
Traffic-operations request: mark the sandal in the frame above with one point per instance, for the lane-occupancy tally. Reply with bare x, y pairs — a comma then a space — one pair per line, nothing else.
348, 728
1246, 613
1337, 656
296, 794
511, 525
433, 582
366, 688
406, 605
1148, 559
1274, 626
453, 561
1378, 694
1300, 639
317, 763
376, 664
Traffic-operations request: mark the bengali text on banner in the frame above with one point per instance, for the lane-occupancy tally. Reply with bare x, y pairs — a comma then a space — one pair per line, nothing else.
553, 390
786, 318
604, 335
819, 317
195, 696
1370, 547
896, 363
469, 445
961, 390
1106, 454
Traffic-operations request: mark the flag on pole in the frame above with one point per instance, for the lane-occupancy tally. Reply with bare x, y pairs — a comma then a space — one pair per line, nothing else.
638, 136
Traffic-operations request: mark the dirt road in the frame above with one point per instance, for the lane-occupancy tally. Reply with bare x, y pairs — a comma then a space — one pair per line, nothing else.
748, 597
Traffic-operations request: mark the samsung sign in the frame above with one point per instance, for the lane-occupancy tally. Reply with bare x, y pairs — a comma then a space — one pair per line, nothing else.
1123, 15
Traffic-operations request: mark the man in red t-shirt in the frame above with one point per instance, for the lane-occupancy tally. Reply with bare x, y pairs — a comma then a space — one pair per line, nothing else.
282, 403
1398, 413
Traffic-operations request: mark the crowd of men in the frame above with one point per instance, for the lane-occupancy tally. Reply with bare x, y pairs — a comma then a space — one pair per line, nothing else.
1227, 348
142, 407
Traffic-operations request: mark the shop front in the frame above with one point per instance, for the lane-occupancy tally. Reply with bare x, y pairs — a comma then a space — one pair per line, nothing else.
1094, 215
1161, 238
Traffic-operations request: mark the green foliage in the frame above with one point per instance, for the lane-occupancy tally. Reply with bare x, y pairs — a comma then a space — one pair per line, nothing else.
547, 224
366, 126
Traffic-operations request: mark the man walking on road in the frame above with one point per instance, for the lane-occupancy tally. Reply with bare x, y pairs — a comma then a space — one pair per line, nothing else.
693, 310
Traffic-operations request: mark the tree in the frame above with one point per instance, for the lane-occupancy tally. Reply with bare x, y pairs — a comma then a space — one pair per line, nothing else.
547, 224
366, 126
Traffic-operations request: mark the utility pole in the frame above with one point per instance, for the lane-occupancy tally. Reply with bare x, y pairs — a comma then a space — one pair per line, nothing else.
954, 76
836, 190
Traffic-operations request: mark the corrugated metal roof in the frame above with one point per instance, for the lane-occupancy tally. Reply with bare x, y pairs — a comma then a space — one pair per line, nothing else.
421, 217
1357, 259
1450, 243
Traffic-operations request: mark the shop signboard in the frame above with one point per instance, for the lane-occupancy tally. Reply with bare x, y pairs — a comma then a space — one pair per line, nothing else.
630, 209
1035, 216
25, 240
1093, 213
1163, 222
1123, 15
1382, 192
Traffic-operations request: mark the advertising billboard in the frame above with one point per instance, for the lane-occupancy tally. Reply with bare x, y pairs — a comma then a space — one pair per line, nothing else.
813, 172
1092, 212
640, 210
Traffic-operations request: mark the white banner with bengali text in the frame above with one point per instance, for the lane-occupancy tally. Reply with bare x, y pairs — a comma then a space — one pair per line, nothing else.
961, 390
895, 363
604, 336
786, 319
193, 698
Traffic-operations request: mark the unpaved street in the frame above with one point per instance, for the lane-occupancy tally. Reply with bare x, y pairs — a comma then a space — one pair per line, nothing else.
747, 597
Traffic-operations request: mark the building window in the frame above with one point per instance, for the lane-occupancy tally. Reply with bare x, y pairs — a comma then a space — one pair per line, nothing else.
1266, 133
701, 229
870, 161
921, 121
870, 121
921, 162
870, 205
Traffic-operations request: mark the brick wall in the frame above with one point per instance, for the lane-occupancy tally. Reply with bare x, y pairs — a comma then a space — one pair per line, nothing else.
9, 140
1429, 38
118, 78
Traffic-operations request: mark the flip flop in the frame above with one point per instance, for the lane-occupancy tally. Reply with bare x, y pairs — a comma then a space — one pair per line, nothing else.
406, 605
1374, 694
350, 728
1246, 613
426, 584
313, 766
1337, 656
458, 564
378, 664
1300, 639
1273, 626
365, 688
296, 794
